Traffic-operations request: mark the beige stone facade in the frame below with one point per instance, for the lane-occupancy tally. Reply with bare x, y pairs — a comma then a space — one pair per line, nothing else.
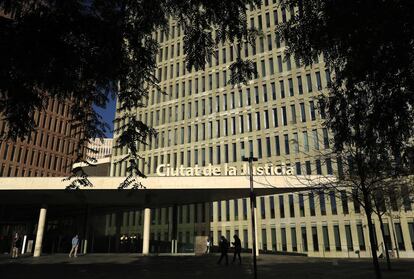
203, 120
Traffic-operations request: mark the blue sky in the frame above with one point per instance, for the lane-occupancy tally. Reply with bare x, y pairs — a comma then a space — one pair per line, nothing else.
108, 115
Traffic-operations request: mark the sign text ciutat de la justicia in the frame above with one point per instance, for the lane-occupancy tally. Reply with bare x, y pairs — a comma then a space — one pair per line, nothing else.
225, 170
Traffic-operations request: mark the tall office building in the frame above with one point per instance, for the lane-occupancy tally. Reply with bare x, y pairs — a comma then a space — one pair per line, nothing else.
49, 150
203, 121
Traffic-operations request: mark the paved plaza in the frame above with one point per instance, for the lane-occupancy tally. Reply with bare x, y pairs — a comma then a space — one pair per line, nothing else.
125, 266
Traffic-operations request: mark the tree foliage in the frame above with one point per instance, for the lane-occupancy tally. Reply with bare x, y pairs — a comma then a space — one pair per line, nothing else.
86, 50
368, 45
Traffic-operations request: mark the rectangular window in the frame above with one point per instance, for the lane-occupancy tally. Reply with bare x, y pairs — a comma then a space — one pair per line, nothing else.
244, 209
294, 239
234, 151
275, 118
326, 238
337, 237
322, 203
266, 119
315, 238
301, 205
291, 206
281, 207
309, 82
258, 126
348, 235
300, 85
304, 239
333, 202
273, 235
411, 232
312, 110
282, 89
344, 201
268, 147
272, 206
284, 243
284, 117
361, 238
287, 150
312, 204
291, 91
400, 236
318, 80
293, 113
277, 145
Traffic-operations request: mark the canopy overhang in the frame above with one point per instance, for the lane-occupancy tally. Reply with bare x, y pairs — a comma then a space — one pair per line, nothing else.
158, 191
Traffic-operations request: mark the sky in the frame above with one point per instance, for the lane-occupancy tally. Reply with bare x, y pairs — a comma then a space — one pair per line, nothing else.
108, 115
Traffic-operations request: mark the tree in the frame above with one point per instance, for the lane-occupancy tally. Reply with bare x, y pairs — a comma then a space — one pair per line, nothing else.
82, 51
368, 47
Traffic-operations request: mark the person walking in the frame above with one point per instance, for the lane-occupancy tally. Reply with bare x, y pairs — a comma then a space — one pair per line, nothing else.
208, 245
16, 242
75, 244
224, 248
237, 248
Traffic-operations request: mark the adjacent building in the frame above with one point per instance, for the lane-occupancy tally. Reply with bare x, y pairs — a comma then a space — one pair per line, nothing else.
48, 152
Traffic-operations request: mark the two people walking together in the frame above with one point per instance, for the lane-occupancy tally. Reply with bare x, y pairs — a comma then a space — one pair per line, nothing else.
224, 248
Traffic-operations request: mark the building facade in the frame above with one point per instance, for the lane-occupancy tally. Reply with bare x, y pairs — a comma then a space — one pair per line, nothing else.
103, 148
203, 120
48, 151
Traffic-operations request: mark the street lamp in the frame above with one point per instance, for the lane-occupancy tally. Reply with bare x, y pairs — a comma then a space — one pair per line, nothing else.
252, 159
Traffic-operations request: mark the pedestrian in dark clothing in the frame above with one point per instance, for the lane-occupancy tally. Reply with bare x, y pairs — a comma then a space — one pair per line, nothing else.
237, 248
224, 248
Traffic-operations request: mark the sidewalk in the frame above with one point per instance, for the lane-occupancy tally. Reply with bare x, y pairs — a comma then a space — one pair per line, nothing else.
125, 266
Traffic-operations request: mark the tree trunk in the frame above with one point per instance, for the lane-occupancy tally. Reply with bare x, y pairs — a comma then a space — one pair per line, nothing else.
385, 242
368, 211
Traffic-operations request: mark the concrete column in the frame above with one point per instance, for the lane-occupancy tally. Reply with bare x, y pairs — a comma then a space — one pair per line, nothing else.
146, 231
40, 230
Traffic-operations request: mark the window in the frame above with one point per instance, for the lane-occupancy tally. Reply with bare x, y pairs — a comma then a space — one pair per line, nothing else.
318, 80
344, 201
333, 202
282, 89
322, 203
326, 238
284, 116
309, 82
272, 207
294, 239
275, 118
281, 207
312, 110
266, 119
268, 147
337, 237
312, 204
279, 64
315, 238
361, 238
284, 243
262, 208
287, 150
293, 113
277, 145
258, 126
291, 206
348, 235
304, 239
301, 205
291, 91
300, 85
400, 237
